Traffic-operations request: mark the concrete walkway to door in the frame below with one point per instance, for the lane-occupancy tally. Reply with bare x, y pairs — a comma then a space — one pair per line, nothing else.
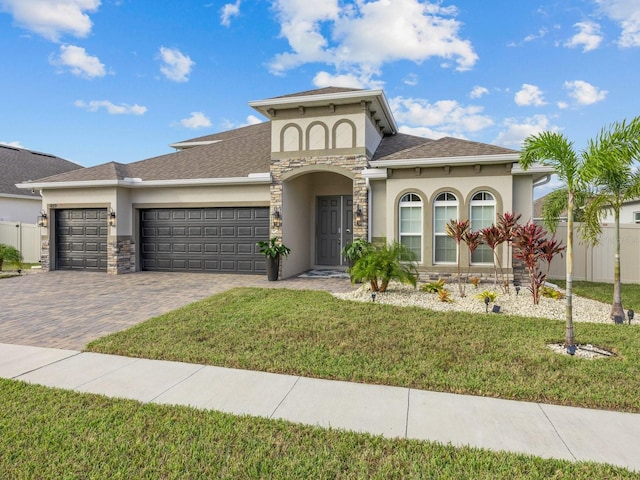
68, 309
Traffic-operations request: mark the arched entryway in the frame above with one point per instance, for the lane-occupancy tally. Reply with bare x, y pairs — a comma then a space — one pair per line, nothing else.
317, 213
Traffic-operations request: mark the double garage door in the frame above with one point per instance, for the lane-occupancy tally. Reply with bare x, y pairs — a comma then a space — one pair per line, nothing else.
171, 239
203, 239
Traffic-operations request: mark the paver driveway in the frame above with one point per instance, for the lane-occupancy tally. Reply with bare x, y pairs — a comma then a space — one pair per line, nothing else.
65, 309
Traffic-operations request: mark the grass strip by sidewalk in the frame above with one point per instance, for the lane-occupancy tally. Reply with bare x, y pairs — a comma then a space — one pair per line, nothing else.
313, 334
51, 433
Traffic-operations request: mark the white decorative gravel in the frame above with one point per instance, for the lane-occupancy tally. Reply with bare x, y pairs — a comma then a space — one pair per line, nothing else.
584, 310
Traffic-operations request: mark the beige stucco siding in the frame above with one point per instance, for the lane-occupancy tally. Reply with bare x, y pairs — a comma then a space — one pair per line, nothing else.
523, 197
501, 186
15, 209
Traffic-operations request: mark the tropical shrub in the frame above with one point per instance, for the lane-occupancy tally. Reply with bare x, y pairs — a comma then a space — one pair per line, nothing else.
9, 254
385, 263
550, 292
434, 287
490, 294
457, 229
444, 295
356, 250
475, 281
531, 245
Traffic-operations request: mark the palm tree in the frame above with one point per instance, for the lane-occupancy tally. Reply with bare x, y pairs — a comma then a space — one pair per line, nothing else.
609, 166
553, 149
457, 229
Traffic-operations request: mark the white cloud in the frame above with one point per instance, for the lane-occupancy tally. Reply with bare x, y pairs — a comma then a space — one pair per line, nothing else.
111, 108
52, 18
529, 95
562, 105
251, 120
346, 80
12, 144
195, 121
516, 131
534, 36
363, 36
444, 117
411, 80
627, 14
478, 91
176, 66
584, 93
588, 37
425, 132
79, 62
229, 11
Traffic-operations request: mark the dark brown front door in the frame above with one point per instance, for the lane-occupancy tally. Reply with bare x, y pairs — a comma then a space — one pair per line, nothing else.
334, 228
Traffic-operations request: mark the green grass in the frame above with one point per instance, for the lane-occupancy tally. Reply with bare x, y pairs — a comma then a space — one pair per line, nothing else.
51, 433
313, 334
603, 292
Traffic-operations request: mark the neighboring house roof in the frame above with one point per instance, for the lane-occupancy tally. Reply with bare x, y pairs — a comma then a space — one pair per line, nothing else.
20, 165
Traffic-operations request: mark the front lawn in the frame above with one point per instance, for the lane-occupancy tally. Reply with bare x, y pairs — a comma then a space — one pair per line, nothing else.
51, 433
313, 334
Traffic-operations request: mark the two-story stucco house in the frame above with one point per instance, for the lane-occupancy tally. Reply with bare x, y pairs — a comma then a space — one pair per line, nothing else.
328, 165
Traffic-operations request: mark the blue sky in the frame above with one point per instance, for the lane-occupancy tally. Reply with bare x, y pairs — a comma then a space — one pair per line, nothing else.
119, 80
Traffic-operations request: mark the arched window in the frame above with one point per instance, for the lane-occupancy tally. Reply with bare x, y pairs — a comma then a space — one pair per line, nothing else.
411, 223
482, 215
445, 208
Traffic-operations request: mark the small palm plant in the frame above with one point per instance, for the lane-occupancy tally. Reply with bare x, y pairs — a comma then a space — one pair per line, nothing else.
385, 263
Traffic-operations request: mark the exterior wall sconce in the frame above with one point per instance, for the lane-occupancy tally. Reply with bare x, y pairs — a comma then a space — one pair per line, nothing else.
277, 218
112, 218
43, 220
358, 215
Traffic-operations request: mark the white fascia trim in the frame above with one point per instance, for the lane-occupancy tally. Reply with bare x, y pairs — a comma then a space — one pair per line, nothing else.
374, 173
251, 179
260, 105
182, 145
467, 160
534, 169
21, 197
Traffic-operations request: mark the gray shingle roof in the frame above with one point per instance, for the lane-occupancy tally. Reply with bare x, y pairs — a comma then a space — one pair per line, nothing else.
238, 153
443, 147
19, 165
320, 91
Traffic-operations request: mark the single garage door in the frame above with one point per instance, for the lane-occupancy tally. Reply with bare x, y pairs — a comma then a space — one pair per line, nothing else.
81, 239
221, 240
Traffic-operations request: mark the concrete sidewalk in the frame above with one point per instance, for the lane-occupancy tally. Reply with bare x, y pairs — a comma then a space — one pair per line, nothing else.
548, 431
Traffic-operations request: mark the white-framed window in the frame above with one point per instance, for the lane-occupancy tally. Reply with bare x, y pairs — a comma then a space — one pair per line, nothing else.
482, 215
445, 208
410, 210
636, 217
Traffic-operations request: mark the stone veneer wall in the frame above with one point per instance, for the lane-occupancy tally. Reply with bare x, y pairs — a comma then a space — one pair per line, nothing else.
45, 258
121, 255
353, 164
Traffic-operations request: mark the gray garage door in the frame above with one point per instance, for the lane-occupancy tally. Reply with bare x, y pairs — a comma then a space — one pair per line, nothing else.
81, 239
219, 240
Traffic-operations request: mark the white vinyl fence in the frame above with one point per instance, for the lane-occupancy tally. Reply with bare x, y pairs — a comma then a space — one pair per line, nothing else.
23, 236
595, 264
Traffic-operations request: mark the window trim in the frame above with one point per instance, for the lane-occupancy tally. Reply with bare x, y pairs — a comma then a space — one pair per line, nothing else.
402, 203
482, 203
444, 203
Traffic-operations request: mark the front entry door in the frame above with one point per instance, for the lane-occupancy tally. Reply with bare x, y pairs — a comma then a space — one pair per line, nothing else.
334, 228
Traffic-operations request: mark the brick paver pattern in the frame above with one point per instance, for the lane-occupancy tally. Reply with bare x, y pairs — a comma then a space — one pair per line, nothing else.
68, 309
